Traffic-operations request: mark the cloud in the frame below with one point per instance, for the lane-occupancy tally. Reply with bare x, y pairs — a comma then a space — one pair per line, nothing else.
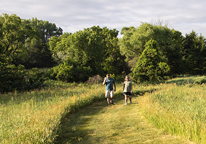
75, 15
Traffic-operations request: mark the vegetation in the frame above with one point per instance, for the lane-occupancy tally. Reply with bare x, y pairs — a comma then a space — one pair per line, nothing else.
179, 108
36, 116
23, 44
149, 65
25, 41
117, 123
34, 102
148, 52
87, 53
17, 78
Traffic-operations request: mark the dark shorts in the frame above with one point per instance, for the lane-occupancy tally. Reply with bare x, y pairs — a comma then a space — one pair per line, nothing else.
127, 93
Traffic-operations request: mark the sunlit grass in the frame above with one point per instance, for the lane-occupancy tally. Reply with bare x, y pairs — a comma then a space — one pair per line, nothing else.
179, 108
34, 117
118, 123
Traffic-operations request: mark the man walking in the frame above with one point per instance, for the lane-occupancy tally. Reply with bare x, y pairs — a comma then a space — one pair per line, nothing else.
109, 93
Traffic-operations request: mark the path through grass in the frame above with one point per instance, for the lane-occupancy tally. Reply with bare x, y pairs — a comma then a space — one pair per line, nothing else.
118, 123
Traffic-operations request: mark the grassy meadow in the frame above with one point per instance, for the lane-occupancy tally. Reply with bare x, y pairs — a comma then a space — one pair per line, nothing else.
177, 106
113, 124
34, 117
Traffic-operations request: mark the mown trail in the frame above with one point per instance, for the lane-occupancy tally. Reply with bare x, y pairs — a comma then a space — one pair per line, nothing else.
118, 124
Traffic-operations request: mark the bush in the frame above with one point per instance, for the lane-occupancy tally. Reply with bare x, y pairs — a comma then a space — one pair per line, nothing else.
34, 79
68, 71
95, 79
18, 78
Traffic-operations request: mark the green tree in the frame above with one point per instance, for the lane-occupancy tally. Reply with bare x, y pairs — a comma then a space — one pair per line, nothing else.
126, 47
46, 29
149, 65
194, 53
96, 48
174, 54
37, 46
26, 41
11, 38
168, 42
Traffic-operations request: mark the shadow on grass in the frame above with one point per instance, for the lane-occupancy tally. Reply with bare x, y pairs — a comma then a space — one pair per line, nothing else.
180, 80
49, 92
71, 129
37, 95
188, 80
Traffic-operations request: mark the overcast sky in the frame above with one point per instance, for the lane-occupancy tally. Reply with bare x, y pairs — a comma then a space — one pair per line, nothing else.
75, 15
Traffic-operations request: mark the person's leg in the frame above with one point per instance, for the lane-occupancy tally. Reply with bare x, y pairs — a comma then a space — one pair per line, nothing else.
107, 96
108, 100
111, 100
111, 96
125, 99
130, 98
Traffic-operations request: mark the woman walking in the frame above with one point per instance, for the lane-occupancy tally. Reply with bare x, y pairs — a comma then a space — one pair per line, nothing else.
127, 89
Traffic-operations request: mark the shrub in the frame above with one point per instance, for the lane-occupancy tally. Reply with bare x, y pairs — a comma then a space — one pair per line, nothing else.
95, 79
68, 71
34, 79
18, 78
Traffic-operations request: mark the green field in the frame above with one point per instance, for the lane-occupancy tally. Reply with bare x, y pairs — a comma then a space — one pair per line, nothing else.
168, 112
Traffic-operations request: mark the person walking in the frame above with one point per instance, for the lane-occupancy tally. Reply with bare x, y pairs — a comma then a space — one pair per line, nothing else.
127, 89
109, 93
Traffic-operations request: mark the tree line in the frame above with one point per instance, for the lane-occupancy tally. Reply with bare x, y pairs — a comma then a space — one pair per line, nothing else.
155, 52
148, 52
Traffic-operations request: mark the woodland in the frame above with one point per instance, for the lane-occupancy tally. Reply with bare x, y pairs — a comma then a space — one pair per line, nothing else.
149, 52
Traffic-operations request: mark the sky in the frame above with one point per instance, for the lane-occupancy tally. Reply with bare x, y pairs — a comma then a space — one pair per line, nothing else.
75, 15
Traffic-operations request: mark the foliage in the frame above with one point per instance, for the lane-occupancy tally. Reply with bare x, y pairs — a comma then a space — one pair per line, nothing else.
175, 56
134, 40
97, 51
46, 29
12, 36
12, 77
194, 53
25, 41
18, 78
37, 46
93, 51
68, 71
150, 65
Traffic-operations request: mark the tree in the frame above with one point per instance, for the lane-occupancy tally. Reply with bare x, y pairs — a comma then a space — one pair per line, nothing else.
37, 46
150, 65
126, 47
168, 44
26, 41
46, 29
194, 53
11, 38
174, 54
96, 48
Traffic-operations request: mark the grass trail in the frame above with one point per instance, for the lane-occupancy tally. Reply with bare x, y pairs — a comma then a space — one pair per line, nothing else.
118, 123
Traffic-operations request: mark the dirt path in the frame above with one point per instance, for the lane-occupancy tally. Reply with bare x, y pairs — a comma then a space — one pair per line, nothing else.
118, 124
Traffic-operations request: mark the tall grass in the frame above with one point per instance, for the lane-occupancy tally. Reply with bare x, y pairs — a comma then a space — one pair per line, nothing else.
180, 108
119, 124
34, 117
